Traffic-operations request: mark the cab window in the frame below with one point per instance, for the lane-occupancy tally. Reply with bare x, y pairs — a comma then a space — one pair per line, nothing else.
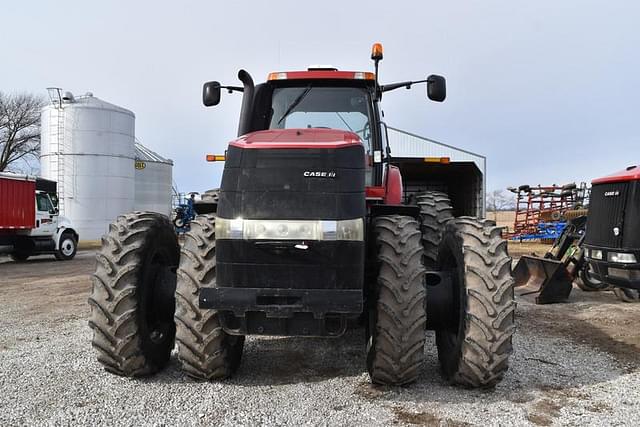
343, 108
43, 203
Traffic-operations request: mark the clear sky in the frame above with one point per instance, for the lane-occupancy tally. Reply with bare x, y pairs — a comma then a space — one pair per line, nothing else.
545, 89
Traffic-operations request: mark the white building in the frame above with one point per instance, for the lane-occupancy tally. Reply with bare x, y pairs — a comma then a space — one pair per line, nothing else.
88, 147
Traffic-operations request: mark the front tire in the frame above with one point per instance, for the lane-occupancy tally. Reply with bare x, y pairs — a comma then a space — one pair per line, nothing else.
627, 295
67, 248
396, 327
475, 346
588, 283
206, 351
132, 301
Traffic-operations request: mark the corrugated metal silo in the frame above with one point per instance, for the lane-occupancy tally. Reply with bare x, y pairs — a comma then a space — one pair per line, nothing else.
88, 148
153, 181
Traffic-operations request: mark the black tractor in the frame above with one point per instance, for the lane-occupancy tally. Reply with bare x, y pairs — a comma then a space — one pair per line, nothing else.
313, 231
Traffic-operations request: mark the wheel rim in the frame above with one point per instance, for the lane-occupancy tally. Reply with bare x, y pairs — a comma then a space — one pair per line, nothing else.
449, 336
67, 247
157, 301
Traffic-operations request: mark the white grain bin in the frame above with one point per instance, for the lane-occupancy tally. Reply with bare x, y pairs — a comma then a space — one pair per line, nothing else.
88, 148
153, 181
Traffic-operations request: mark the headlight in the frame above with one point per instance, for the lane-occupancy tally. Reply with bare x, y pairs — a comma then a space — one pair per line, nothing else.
595, 254
258, 229
621, 257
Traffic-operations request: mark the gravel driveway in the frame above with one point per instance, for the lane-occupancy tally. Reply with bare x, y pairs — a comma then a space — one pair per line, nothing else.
574, 364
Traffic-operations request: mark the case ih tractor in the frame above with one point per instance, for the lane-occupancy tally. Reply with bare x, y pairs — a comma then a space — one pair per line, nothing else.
600, 251
612, 241
312, 230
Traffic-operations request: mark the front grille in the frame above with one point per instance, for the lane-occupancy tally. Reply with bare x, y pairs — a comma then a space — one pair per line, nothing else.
606, 212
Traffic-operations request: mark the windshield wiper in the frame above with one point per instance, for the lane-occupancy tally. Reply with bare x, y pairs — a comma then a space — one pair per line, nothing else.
294, 104
345, 122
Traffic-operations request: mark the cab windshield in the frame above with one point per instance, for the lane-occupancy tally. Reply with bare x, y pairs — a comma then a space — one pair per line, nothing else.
345, 108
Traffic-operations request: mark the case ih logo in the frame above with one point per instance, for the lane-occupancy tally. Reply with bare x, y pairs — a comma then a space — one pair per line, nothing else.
319, 174
611, 193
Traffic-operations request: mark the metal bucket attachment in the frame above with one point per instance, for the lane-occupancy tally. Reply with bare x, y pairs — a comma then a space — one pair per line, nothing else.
547, 277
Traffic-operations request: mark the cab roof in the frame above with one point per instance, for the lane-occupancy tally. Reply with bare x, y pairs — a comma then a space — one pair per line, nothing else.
321, 74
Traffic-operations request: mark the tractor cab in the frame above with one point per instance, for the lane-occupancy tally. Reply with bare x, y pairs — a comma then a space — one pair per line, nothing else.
323, 97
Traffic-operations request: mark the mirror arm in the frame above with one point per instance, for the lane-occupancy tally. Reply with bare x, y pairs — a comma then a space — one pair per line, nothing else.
231, 89
393, 86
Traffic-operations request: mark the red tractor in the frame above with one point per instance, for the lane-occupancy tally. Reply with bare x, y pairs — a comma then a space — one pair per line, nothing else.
312, 230
601, 249
612, 240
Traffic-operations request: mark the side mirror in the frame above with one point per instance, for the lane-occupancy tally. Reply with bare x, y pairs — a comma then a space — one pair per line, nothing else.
211, 94
436, 88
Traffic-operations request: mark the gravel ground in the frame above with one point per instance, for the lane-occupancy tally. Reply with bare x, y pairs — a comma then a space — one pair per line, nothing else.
574, 364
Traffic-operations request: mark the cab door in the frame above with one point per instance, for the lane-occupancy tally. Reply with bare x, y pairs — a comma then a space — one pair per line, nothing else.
46, 218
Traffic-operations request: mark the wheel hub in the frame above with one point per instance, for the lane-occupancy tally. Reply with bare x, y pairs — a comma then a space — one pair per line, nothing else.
67, 247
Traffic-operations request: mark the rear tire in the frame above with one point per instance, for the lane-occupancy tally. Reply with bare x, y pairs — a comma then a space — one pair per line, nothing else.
396, 326
132, 301
20, 256
208, 203
206, 351
627, 295
435, 211
474, 350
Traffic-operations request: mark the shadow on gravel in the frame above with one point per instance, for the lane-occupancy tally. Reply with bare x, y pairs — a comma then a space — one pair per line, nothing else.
555, 354
292, 360
287, 360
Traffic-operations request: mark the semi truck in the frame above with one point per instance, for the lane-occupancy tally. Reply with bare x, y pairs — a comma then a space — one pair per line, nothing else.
30, 223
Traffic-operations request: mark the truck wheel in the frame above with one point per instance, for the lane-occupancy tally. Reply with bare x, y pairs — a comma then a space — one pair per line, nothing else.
206, 351
475, 346
627, 295
132, 301
396, 326
68, 247
19, 256
435, 211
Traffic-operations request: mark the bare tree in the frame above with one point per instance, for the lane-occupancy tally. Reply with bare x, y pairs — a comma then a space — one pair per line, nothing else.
498, 200
19, 128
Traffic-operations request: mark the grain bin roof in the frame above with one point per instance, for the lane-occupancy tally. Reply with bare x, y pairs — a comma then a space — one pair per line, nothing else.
146, 155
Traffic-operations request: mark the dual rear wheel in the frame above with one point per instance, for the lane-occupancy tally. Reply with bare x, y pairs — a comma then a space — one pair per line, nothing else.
139, 310
474, 340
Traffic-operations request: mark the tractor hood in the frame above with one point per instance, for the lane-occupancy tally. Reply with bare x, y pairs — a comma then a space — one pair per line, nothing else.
294, 174
297, 138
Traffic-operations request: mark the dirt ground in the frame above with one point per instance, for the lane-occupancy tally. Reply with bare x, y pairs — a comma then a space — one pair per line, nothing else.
44, 291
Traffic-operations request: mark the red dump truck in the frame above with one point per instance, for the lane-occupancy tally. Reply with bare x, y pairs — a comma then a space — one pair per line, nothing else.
29, 220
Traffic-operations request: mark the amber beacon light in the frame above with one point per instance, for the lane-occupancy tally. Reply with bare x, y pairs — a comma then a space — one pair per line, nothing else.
376, 51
